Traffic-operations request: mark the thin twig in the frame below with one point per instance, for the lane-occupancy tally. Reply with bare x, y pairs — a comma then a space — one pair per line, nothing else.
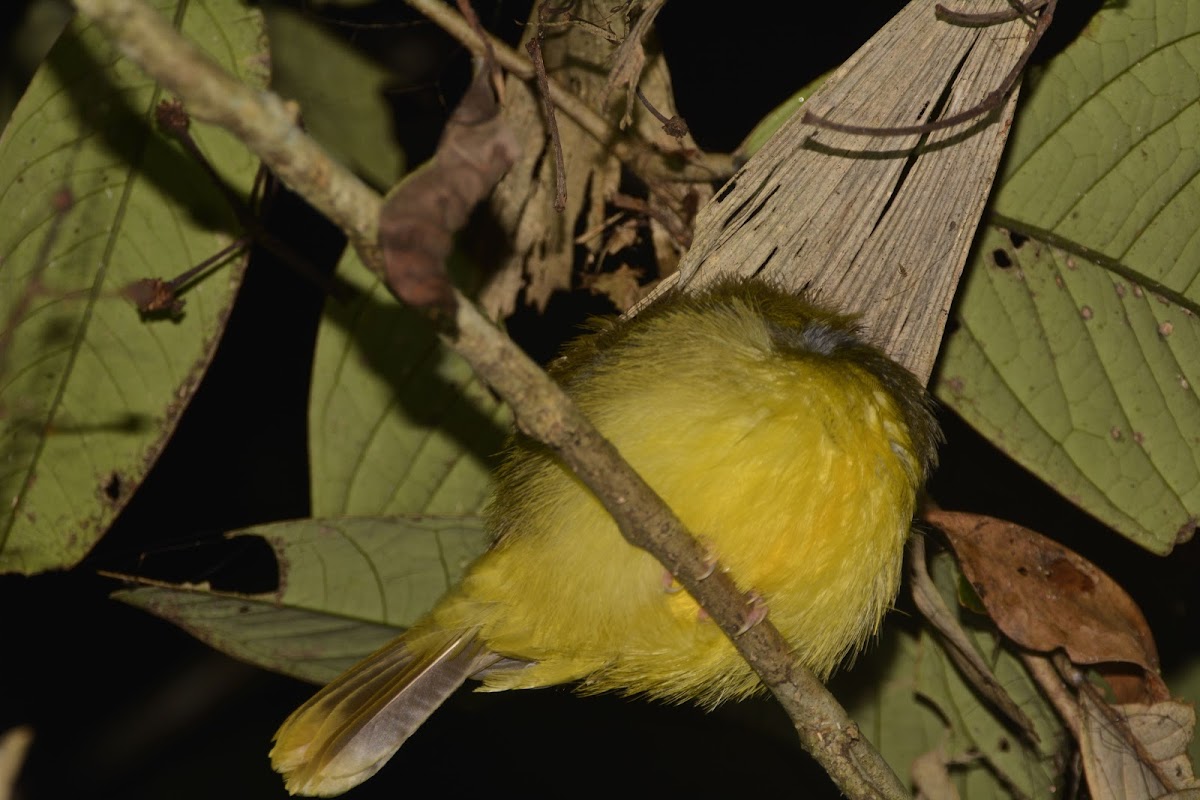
957, 645
597, 230
534, 47
156, 298
191, 275
1059, 680
1047, 678
674, 127
639, 206
260, 120
579, 22
464, 8
1117, 722
173, 120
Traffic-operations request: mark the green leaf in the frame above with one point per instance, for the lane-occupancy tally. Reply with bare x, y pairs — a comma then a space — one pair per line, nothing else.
979, 739
1087, 379
773, 121
1103, 153
316, 68
879, 694
910, 700
397, 423
1077, 348
1028, 766
89, 393
345, 586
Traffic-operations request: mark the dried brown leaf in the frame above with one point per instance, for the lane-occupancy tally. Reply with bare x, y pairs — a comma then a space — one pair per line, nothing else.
537, 243
629, 61
877, 224
1137, 751
622, 286
622, 235
423, 212
931, 776
1046, 597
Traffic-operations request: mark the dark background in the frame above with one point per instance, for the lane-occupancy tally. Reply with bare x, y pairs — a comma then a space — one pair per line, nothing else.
125, 705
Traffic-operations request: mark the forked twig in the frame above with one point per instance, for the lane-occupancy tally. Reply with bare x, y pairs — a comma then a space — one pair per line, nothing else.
681, 235
155, 297
158, 297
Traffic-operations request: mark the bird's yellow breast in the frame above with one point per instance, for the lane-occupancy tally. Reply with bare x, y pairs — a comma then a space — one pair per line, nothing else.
796, 467
793, 449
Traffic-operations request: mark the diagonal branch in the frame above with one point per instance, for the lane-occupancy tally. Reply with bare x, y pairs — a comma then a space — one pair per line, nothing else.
263, 124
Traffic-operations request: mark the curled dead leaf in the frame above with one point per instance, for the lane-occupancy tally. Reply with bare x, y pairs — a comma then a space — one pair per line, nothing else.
1137, 751
1046, 597
423, 212
629, 61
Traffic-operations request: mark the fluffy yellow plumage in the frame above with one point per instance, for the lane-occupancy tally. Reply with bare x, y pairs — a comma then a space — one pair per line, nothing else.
793, 449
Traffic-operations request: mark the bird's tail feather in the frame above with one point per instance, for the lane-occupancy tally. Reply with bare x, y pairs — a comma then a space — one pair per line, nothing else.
347, 731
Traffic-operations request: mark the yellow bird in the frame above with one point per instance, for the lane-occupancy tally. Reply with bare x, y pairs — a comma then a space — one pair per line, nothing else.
792, 448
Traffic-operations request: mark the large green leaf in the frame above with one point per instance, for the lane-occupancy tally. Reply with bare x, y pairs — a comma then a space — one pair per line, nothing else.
1104, 152
1077, 351
89, 393
397, 423
1087, 379
315, 68
345, 586
912, 703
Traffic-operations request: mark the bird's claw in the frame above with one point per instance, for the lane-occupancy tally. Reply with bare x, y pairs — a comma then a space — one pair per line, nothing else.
756, 613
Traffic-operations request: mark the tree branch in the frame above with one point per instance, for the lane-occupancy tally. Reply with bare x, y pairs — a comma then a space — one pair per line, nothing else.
262, 121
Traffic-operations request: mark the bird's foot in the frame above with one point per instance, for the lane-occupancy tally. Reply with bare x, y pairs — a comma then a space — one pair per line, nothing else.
756, 612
